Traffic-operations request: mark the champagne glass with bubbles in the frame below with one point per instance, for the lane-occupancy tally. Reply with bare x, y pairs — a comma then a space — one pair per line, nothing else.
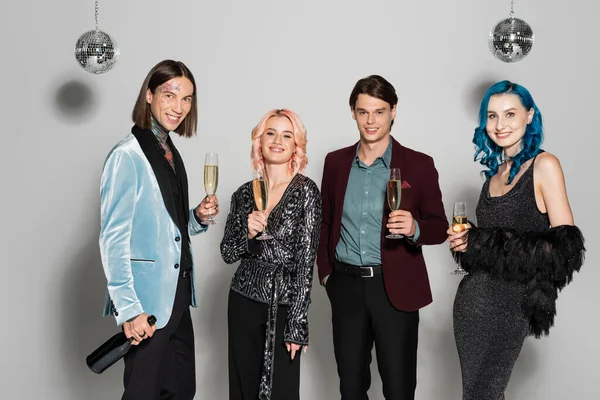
261, 199
459, 224
394, 194
211, 178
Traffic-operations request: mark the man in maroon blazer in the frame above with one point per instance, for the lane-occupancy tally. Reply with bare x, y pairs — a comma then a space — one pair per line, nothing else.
377, 285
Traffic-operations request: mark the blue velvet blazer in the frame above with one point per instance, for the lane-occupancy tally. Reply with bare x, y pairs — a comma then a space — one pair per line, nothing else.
140, 242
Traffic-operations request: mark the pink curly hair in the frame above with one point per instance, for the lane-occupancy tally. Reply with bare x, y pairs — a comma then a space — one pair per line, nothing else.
299, 160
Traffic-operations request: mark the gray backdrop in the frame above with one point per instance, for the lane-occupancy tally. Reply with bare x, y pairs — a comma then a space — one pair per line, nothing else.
59, 122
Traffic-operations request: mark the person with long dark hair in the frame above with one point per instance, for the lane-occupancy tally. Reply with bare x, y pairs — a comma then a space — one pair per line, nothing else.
524, 250
146, 224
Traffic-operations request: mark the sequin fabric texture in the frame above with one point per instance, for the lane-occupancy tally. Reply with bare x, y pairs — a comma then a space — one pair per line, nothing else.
277, 271
489, 324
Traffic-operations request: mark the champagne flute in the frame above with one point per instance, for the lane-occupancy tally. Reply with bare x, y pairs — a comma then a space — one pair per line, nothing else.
211, 178
394, 195
459, 224
261, 199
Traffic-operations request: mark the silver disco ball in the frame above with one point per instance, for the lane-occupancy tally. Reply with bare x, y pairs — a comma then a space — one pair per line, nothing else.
96, 51
511, 40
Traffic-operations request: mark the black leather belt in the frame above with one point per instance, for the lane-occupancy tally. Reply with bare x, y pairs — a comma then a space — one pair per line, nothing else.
356, 270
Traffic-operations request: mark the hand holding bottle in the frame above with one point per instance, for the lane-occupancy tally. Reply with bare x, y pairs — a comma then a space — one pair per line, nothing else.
119, 344
139, 329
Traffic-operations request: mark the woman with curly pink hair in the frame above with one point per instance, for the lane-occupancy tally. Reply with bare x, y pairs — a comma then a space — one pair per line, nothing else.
298, 160
270, 291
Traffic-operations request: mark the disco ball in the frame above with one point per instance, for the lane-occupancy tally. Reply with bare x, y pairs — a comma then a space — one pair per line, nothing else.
96, 51
511, 40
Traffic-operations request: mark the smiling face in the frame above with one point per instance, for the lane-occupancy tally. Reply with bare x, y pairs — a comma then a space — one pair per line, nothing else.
277, 141
507, 120
171, 102
373, 117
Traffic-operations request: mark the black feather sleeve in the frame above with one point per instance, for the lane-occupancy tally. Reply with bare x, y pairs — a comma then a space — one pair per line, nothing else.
543, 261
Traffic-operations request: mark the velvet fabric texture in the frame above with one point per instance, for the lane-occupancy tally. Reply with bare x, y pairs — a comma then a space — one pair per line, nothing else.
140, 243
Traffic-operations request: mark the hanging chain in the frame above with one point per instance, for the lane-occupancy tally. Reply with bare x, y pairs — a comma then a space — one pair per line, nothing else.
512, 7
96, 14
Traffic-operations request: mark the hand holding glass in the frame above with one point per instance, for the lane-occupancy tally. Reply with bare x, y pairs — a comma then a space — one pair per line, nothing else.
459, 224
211, 178
394, 194
261, 199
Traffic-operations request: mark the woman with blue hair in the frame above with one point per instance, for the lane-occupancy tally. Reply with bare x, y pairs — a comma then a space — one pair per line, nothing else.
524, 251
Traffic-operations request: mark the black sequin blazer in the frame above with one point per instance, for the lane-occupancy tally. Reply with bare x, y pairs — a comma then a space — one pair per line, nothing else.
280, 269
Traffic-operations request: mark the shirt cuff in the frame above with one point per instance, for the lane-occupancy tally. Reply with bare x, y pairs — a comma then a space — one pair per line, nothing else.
132, 318
199, 221
415, 237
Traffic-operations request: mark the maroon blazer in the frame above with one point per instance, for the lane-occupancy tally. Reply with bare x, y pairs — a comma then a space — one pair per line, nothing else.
404, 271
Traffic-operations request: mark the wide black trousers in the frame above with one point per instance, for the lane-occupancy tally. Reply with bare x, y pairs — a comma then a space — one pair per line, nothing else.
362, 315
163, 366
247, 323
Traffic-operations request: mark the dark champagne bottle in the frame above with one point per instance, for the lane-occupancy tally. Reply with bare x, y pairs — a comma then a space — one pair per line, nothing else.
111, 351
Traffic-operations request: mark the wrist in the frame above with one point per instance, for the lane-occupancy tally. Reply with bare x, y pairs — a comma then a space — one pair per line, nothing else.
198, 217
413, 230
416, 233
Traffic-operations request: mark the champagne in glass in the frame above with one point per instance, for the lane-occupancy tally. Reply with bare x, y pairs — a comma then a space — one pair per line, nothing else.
211, 178
394, 195
259, 187
261, 199
459, 224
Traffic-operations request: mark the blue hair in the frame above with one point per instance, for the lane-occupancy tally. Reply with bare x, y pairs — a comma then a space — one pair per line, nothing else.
489, 153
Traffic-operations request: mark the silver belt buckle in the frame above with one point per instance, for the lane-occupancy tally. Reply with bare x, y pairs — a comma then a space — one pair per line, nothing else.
370, 269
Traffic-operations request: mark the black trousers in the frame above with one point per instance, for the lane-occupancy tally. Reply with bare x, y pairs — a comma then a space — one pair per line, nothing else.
362, 315
247, 324
163, 366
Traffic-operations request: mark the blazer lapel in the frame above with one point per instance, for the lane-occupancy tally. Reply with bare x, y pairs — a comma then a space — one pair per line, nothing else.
397, 162
397, 155
181, 178
155, 155
343, 175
